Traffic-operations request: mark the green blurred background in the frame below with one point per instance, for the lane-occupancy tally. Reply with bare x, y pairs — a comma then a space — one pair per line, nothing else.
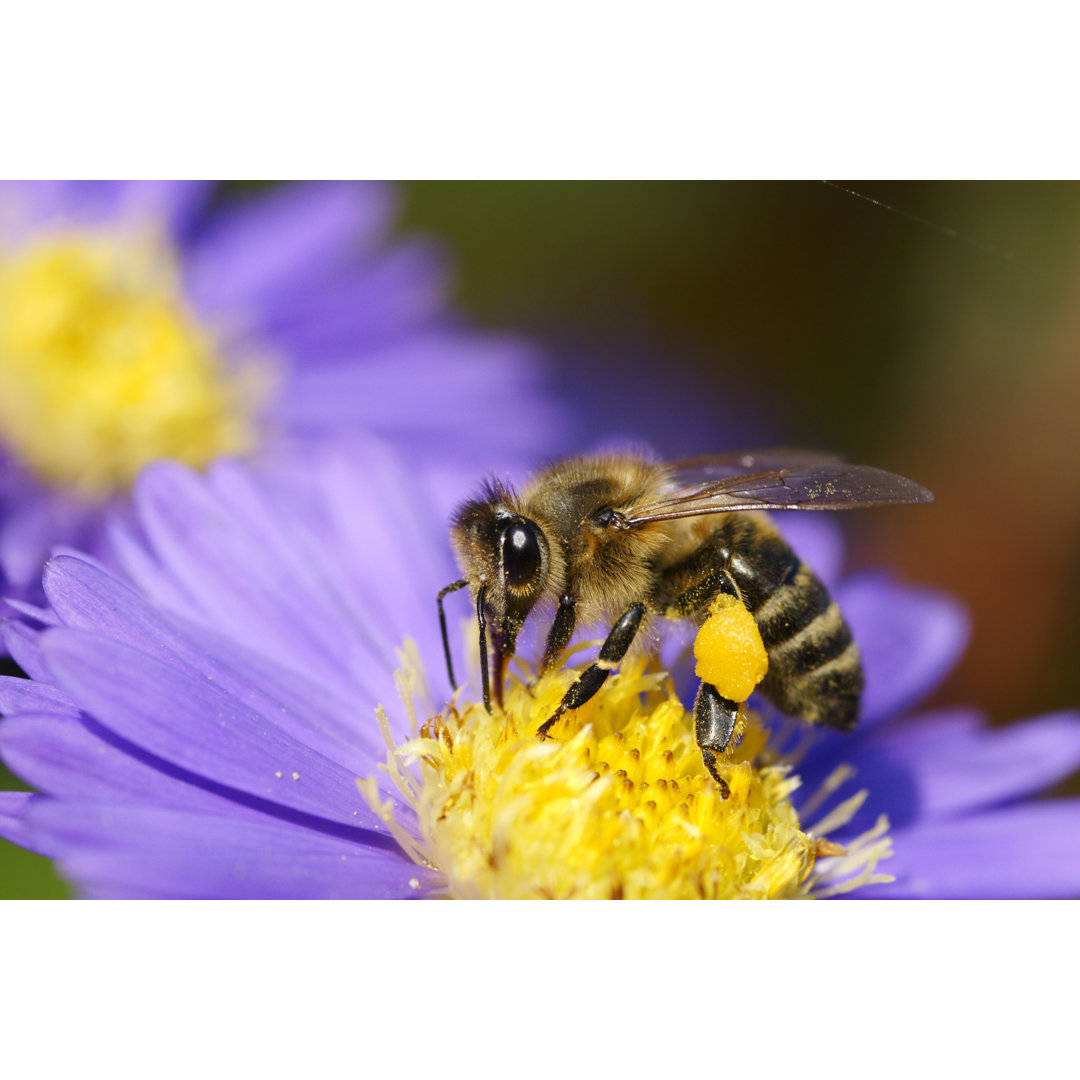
707, 315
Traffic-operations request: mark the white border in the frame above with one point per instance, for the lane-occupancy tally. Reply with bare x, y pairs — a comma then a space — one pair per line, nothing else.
375, 988
562, 89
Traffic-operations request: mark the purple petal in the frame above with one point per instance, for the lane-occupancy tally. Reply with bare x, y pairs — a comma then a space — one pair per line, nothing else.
372, 515
192, 725
909, 639
176, 202
459, 384
75, 758
41, 204
13, 808
130, 548
301, 586
31, 529
25, 695
250, 588
271, 244
818, 540
29, 205
45, 616
88, 598
956, 764
136, 851
400, 291
1030, 851
23, 646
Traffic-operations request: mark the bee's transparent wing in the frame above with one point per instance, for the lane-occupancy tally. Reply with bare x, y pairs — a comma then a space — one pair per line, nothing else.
817, 483
692, 471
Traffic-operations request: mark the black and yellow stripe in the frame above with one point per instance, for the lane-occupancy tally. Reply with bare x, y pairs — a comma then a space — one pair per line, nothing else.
814, 672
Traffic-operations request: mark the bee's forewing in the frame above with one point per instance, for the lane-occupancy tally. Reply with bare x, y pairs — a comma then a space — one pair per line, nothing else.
821, 484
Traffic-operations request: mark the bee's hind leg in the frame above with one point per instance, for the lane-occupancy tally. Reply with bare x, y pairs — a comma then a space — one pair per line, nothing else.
714, 724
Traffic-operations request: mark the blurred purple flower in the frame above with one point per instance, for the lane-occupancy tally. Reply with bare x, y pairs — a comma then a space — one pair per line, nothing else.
201, 733
353, 327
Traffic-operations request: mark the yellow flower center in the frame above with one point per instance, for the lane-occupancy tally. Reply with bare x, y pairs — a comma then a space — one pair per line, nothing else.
103, 367
616, 804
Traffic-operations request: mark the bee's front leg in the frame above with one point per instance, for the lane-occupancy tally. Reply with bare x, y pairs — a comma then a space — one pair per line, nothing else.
562, 629
452, 587
592, 678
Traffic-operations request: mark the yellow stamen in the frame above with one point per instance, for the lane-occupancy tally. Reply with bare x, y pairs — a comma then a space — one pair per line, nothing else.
104, 368
616, 804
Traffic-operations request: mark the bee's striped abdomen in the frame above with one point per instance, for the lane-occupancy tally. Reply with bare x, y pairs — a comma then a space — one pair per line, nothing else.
814, 668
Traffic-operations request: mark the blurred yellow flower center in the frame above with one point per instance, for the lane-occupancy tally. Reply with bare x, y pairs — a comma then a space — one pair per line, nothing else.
104, 368
616, 805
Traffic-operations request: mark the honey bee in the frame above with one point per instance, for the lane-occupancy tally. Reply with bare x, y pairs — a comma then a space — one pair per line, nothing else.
625, 540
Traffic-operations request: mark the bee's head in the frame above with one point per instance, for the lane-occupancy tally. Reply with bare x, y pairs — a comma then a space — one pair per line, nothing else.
505, 553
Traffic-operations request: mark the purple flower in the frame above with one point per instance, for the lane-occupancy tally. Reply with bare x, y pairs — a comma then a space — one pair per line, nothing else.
200, 731
141, 321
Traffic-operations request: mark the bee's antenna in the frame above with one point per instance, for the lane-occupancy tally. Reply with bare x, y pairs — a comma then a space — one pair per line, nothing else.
442, 624
482, 623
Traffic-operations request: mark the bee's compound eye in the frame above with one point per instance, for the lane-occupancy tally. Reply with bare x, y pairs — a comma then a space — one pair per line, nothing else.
521, 553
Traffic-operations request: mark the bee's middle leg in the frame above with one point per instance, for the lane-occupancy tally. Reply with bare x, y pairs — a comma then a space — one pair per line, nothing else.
714, 724
592, 678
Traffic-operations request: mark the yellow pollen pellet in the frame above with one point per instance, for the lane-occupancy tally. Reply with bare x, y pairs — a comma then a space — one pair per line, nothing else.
729, 651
